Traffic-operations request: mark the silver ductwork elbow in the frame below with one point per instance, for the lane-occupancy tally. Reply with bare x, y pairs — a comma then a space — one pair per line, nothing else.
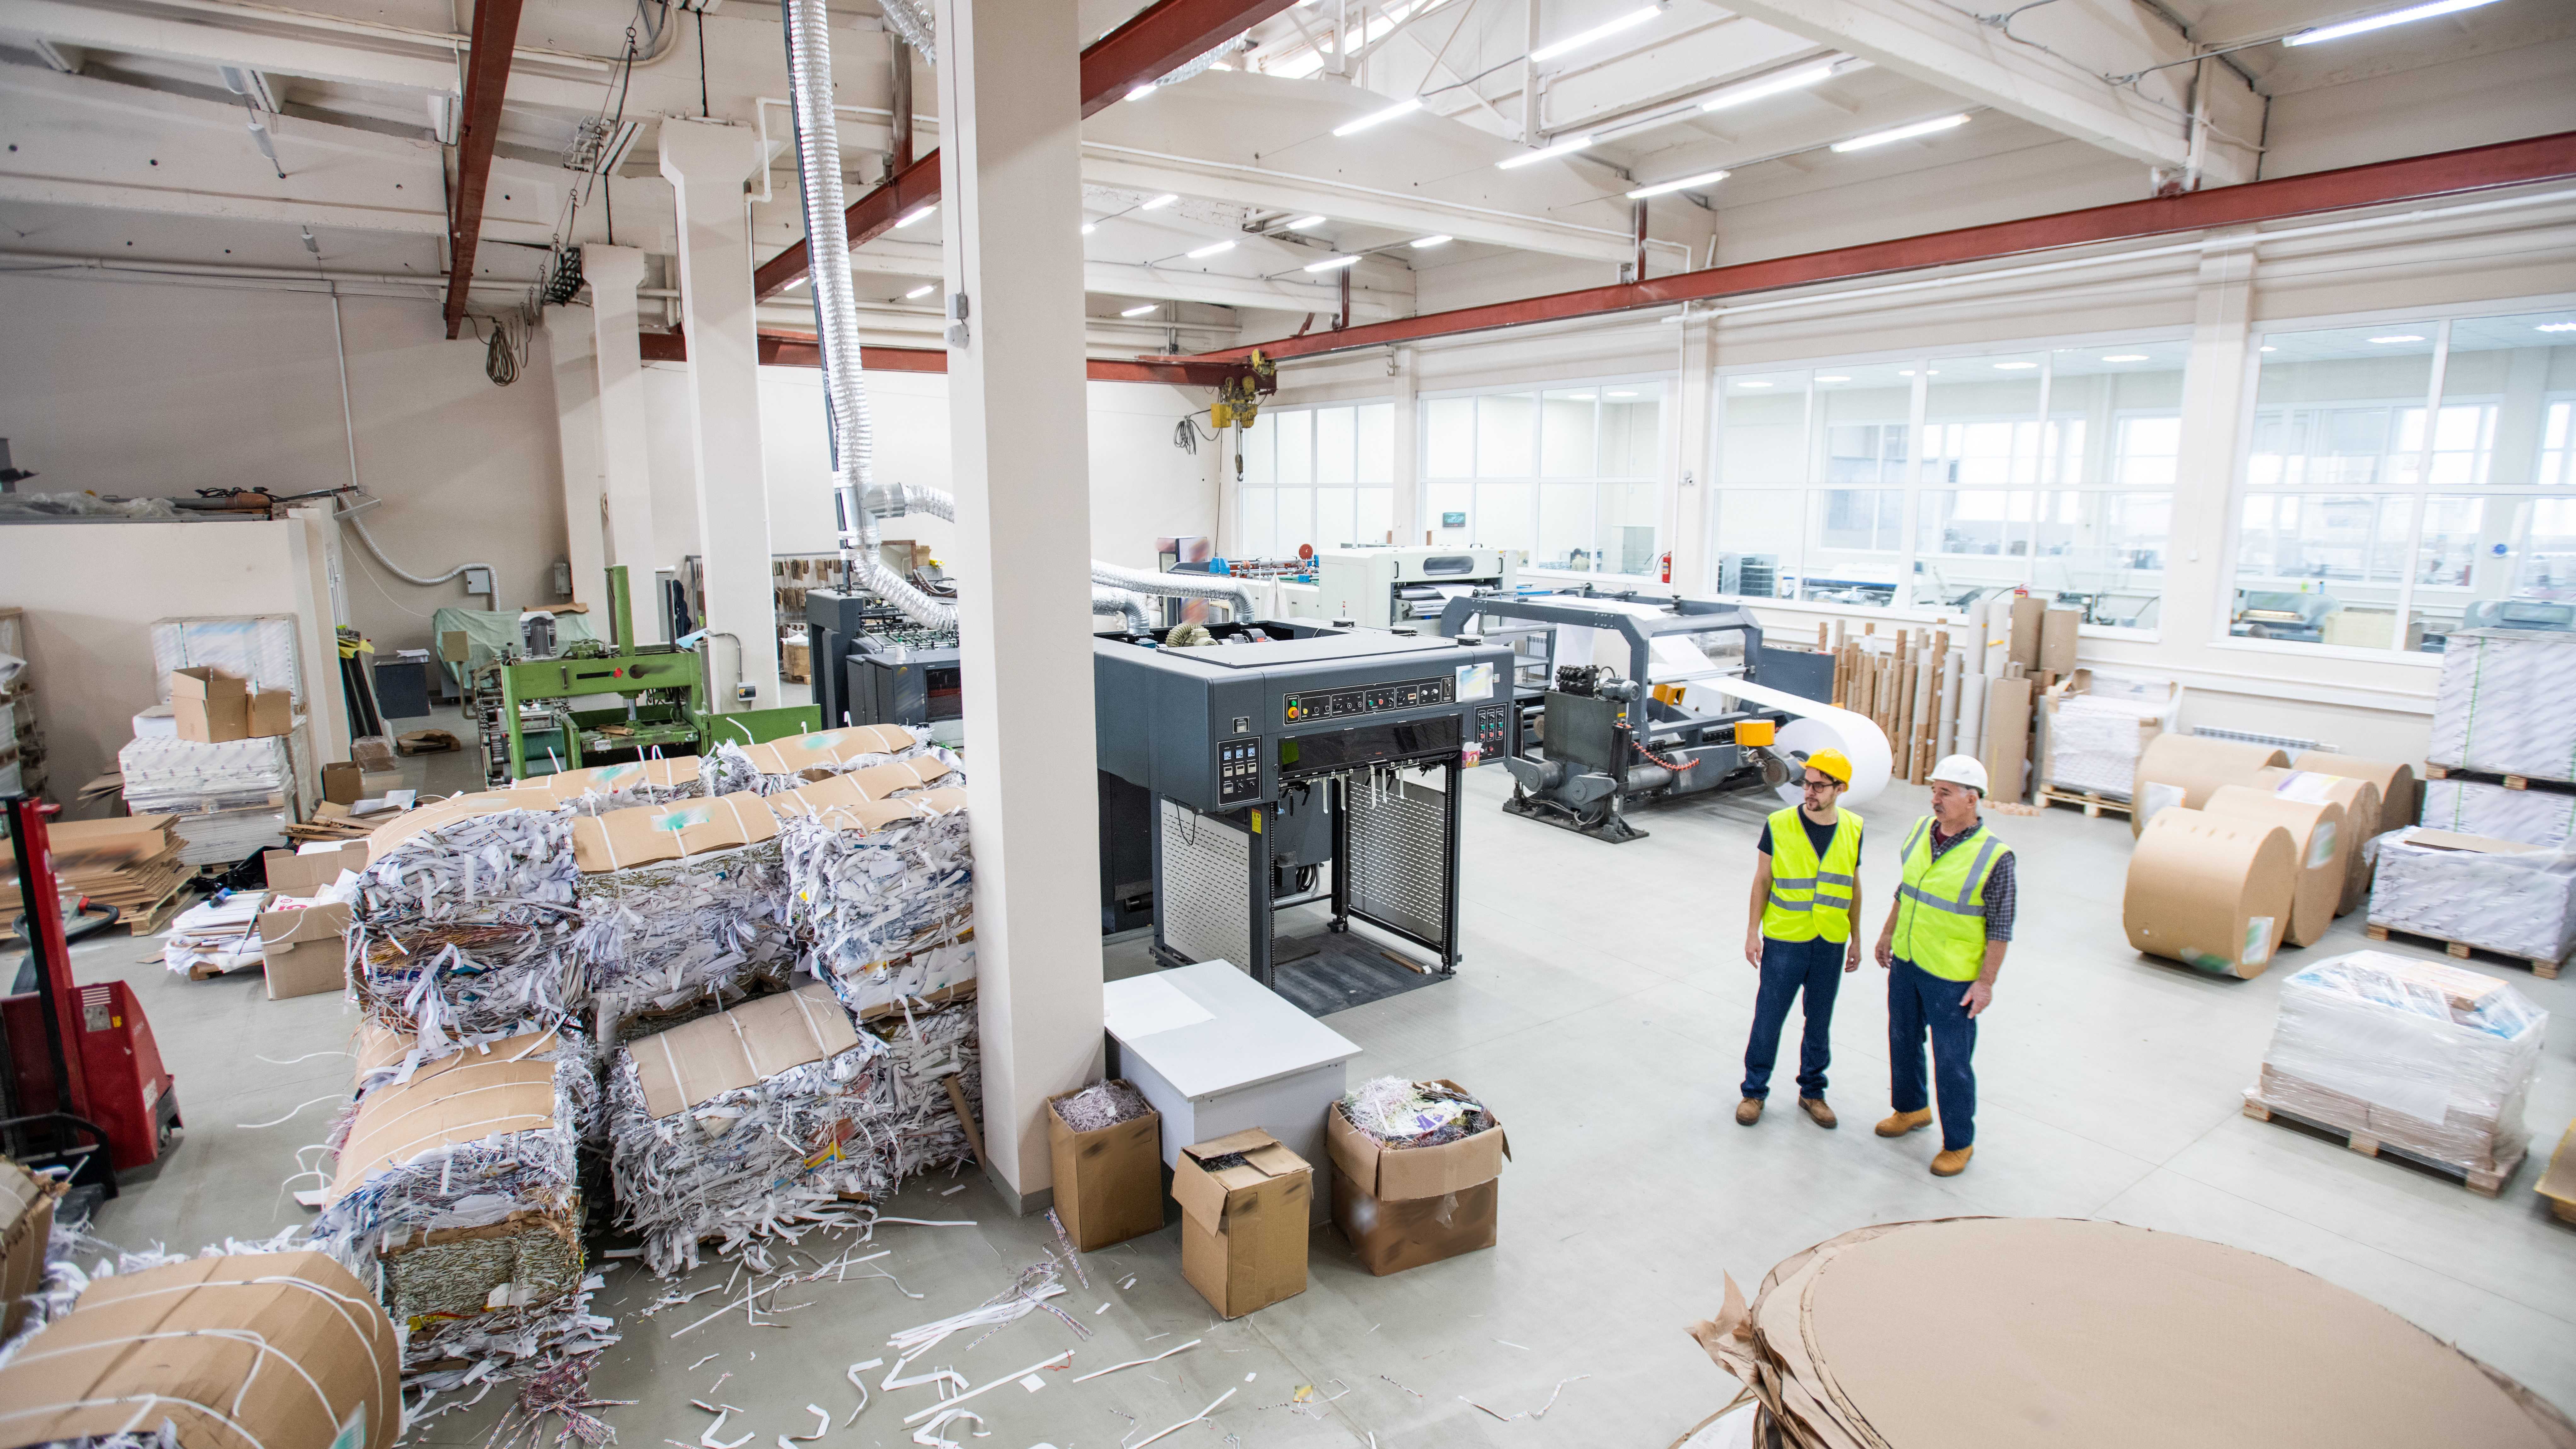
1176, 586
1106, 600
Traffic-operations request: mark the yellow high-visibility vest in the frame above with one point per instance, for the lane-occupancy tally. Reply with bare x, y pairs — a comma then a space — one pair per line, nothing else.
1809, 897
1941, 907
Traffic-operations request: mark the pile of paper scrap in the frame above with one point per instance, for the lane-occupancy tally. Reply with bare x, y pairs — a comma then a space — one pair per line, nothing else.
681, 904
462, 925
883, 886
215, 937
2012, 1332
130, 862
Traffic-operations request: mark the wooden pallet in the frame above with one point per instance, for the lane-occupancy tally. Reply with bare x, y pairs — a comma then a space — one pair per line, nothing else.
2484, 1184
2537, 783
151, 920
2546, 970
2091, 802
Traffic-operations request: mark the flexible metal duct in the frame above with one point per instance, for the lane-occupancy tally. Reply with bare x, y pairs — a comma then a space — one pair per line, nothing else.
894, 500
836, 316
1105, 600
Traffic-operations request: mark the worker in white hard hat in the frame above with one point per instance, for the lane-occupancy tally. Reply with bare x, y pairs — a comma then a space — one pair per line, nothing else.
1804, 932
1943, 946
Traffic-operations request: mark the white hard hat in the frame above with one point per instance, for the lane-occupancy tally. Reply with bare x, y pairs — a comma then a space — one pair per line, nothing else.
1962, 770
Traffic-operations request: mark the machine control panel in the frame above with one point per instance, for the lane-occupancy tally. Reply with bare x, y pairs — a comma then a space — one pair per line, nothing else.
1372, 699
1238, 771
1493, 728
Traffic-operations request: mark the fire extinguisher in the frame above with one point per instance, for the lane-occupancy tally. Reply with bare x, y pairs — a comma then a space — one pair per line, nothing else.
1667, 568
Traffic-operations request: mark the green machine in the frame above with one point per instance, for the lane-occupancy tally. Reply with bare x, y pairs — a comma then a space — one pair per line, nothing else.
533, 728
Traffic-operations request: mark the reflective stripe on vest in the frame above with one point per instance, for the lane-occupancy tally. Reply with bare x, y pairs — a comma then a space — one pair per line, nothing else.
1815, 901
1941, 911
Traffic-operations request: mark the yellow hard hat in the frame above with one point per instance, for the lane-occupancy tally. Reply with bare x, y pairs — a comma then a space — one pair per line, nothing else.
1831, 762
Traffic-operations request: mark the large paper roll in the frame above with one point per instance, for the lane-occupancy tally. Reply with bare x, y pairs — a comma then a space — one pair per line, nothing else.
2323, 840
2213, 892
1812, 726
2360, 801
2399, 800
2182, 769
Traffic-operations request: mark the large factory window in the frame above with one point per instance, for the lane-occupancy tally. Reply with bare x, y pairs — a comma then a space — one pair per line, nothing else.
1925, 483
1322, 475
1570, 474
2407, 479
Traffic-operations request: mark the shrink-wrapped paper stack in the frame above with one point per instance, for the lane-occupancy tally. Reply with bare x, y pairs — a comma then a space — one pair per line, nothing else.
2495, 895
2097, 726
2474, 807
2506, 703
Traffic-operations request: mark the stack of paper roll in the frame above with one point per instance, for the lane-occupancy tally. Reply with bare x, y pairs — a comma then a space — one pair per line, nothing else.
2211, 891
2360, 801
2046, 1333
2179, 769
2319, 836
2400, 793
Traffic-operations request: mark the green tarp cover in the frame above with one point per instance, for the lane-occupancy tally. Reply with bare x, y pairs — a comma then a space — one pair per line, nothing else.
487, 632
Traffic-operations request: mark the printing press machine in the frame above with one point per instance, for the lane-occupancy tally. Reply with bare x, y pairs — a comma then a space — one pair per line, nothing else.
1289, 765
1591, 736
1398, 588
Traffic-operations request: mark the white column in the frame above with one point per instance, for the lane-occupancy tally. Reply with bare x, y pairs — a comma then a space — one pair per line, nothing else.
1687, 534
569, 353
1407, 514
2198, 594
707, 163
1009, 103
626, 477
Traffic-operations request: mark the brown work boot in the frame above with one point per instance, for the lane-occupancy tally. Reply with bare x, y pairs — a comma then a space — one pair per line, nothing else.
1897, 1124
1952, 1162
1815, 1108
1748, 1111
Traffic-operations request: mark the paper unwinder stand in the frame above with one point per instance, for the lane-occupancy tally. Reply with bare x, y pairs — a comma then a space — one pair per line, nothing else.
1288, 765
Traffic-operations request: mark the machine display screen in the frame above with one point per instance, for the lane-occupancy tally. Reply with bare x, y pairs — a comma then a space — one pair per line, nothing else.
1332, 750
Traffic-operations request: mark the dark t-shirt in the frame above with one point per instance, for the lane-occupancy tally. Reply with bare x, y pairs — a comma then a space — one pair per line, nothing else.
1820, 836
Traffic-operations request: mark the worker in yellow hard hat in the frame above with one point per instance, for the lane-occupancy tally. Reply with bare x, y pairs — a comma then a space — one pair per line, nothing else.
1802, 931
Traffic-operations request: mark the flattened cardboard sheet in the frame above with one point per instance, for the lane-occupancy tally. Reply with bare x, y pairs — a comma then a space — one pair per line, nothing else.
462, 1098
647, 833
667, 773
827, 749
403, 827
839, 804
753, 1042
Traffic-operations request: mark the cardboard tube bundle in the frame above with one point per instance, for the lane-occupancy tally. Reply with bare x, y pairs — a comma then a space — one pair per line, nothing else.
461, 928
2322, 841
2179, 769
455, 1197
2359, 801
2211, 891
681, 904
243, 1351
883, 891
782, 765
2117, 1336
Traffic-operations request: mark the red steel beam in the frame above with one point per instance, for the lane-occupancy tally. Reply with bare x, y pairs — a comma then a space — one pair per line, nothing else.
2382, 183
1156, 42
487, 75
796, 349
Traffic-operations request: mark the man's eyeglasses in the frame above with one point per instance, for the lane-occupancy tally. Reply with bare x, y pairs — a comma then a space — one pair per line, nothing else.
1824, 784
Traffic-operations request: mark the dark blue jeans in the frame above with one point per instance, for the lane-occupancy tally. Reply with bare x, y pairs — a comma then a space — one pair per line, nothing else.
1920, 1002
1788, 967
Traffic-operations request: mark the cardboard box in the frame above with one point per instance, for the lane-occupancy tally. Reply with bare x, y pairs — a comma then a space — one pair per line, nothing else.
301, 948
2558, 1184
209, 706
1402, 1207
2211, 891
2057, 634
1109, 1182
324, 1357
302, 872
2007, 736
343, 782
751, 1043
272, 713
2177, 769
27, 1207
1243, 1225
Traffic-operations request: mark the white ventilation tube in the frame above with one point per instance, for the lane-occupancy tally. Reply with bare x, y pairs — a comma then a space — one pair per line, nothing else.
1105, 600
894, 500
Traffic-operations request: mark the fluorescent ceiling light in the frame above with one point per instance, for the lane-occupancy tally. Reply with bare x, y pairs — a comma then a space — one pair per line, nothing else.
924, 290
1901, 133
1562, 148
1705, 178
1617, 393
1580, 39
1305, 223
1838, 377
2131, 356
2014, 366
1211, 249
2558, 327
1140, 311
1426, 243
1770, 85
1157, 203
1331, 264
2398, 337
2271, 349
1751, 382
1401, 108
921, 215
2381, 20
1141, 92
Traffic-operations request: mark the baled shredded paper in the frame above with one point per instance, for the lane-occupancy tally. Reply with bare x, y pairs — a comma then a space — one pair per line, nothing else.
681, 904
462, 924
882, 891
787, 764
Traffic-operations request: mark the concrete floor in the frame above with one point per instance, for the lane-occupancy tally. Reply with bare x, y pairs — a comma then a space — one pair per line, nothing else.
1601, 1009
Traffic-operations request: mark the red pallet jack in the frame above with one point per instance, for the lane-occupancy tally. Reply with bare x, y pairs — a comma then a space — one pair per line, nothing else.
84, 1088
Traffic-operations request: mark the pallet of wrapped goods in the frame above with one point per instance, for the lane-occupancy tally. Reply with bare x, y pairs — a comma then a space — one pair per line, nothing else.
798, 760
602, 788
455, 1196
2211, 891
2474, 807
2096, 727
733, 1126
241, 1351
2181, 770
2468, 893
2420, 1057
462, 925
2319, 839
682, 905
2084, 1332
2506, 703
882, 889
2360, 801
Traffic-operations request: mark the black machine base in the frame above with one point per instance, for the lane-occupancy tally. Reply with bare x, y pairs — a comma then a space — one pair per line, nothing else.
1609, 825
1332, 971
